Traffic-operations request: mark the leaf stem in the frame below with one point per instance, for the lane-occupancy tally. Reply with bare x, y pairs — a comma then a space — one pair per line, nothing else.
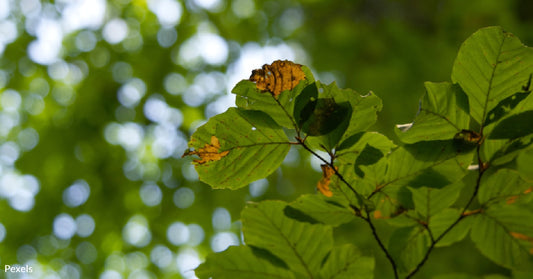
296, 128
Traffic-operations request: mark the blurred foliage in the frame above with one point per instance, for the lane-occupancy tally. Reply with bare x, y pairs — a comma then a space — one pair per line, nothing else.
98, 100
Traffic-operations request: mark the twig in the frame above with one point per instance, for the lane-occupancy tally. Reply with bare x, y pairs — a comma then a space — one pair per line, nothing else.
383, 248
482, 168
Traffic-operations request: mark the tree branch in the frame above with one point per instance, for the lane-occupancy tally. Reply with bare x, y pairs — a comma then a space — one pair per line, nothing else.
482, 167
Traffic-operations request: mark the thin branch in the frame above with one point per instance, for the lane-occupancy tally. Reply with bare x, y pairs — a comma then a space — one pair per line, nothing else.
337, 173
381, 245
482, 168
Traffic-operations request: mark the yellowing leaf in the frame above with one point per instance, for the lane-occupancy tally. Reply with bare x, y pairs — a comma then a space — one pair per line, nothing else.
210, 152
323, 184
278, 77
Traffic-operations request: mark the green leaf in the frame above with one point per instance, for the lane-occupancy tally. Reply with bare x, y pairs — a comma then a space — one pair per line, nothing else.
356, 153
503, 186
432, 164
524, 161
329, 211
522, 275
491, 65
301, 246
408, 246
363, 149
468, 276
504, 234
442, 221
299, 215
364, 109
430, 201
514, 126
240, 262
455, 276
280, 109
345, 262
252, 146
305, 104
327, 123
502, 152
443, 113
505, 107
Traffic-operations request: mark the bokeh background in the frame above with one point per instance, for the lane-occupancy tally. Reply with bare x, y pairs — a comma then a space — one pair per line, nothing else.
99, 97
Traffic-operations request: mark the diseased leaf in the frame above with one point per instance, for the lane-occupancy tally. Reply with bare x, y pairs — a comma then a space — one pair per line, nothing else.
278, 77
499, 233
442, 114
491, 65
331, 211
345, 262
280, 108
240, 262
323, 184
210, 152
302, 246
248, 146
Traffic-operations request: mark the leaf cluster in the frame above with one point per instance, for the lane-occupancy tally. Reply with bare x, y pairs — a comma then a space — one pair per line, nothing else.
462, 168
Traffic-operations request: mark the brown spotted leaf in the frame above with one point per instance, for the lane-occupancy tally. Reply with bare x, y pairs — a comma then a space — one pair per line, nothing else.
210, 152
278, 76
504, 234
248, 146
323, 184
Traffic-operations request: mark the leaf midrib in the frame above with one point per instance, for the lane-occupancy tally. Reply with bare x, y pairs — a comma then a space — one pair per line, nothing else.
489, 89
289, 243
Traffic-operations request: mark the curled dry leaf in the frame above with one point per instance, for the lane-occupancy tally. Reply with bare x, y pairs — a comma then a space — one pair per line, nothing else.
323, 184
278, 77
210, 152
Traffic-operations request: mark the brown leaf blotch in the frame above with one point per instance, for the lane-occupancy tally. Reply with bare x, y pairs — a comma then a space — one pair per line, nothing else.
323, 184
278, 76
210, 152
